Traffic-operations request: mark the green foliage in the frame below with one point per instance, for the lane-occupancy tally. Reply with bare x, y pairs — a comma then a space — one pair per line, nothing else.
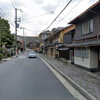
1, 55
6, 37
8, 54
2, 52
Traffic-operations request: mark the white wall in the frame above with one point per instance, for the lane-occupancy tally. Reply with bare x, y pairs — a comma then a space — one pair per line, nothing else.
94, 59
83, 61
90, 62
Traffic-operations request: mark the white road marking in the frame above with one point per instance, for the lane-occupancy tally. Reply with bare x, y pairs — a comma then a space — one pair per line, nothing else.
7, 59
22, 57
70, 88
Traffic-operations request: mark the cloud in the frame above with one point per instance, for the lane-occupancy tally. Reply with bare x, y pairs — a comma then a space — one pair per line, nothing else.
33, 8
38, 1
6, 10
49, 7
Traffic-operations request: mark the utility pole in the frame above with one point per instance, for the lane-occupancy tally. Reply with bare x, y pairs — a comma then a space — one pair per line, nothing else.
0, 39
16, 31
23, 38
16, 26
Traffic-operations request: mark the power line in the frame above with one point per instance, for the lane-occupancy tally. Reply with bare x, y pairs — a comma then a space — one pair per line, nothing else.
59, 14
57, 5
29, 29
17, 3
53, 12
71, 10
2, 15
74, 8
32, 30
12, 4
61, 18
37, 16
7, 17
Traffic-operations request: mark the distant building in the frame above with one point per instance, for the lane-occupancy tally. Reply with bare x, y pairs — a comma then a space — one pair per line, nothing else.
42, 36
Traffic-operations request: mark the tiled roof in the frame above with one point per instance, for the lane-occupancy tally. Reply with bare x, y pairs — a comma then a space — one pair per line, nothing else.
85, 43
94, 9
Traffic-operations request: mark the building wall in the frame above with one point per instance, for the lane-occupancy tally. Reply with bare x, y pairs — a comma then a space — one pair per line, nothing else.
56, 39
85, 62
41, 45
91, 62
65, 31
53, 52
99, 53
48, 51
94, 58
78, 31
68, 29
71, 56
61, 37
67, 39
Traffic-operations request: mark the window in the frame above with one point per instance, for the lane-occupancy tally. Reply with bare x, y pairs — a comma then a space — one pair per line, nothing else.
81, 52
91, 25
87, 27
99, 23
83, 29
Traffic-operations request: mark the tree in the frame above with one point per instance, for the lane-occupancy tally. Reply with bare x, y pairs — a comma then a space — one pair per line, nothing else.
6, 37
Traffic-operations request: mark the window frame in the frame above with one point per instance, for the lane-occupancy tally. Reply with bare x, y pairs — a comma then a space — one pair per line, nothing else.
81, 52
86, 27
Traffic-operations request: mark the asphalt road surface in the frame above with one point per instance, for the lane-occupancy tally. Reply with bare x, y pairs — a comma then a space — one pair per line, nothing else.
22, 78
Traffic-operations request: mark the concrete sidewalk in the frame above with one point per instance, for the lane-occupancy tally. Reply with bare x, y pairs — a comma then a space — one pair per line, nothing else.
88, 81
6, 59
3, 60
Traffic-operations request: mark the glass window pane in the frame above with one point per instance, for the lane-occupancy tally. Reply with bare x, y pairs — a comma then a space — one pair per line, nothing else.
81, 52
87, 27
91, 25
83, 29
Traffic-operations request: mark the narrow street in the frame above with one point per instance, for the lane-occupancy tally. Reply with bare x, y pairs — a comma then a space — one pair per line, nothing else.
22, 78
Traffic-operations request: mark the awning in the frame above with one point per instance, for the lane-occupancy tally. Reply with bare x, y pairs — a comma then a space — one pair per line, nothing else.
88, 43
57, 43
50, 45
63, 49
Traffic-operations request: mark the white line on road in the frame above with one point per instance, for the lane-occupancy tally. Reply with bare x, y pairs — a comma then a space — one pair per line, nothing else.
22, 57
70, 88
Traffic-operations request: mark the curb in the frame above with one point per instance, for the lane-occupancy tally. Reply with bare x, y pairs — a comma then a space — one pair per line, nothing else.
89, 73
76, 86
2, 61
6, 59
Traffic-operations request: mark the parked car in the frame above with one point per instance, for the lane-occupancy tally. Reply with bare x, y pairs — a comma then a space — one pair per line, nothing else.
32, 54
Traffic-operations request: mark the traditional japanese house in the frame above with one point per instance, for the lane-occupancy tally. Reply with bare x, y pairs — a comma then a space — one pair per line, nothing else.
87, 39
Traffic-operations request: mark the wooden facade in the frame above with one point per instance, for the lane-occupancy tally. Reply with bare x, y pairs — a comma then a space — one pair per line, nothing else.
87, 42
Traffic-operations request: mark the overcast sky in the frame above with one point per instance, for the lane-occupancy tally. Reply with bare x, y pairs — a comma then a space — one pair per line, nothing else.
38, 14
